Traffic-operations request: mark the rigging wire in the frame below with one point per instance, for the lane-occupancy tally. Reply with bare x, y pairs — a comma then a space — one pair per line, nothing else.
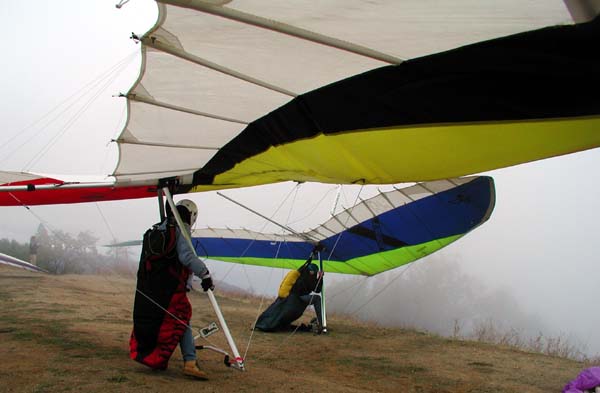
119, 127
314, 208
383, 289
345, 223
294, 190
349, 287
56, 233
76, 117
259, 309
336, 200
41, 220
356, 286
263, 227
106, 222
288, 337
188, 325
411, 264
287, 220
75, 97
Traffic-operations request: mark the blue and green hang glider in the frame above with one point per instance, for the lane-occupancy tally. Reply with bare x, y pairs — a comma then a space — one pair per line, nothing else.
378, 234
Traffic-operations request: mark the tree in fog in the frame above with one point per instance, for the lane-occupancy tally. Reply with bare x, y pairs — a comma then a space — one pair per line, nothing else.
433, 295
60, 252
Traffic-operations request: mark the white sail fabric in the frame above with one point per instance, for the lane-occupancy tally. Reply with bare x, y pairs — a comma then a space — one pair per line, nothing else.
245, 234
168, 132
362, 211
7, 177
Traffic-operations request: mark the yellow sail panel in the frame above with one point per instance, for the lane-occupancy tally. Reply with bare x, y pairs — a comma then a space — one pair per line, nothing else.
414, 153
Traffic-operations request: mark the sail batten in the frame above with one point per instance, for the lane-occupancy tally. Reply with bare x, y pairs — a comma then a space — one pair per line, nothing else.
147, 100
284, 28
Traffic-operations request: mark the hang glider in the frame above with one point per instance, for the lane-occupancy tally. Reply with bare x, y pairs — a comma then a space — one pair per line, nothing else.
475, 108
378, 234
24, 189
238, 93
16, 262
484, 106
129, 243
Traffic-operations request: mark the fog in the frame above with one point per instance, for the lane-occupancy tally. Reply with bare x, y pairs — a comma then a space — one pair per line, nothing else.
437, 296
533, 267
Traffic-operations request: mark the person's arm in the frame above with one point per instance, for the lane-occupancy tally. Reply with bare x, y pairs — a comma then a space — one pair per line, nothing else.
187, 256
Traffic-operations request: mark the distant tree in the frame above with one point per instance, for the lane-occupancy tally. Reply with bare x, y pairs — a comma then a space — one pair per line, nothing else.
14, 249
61, 253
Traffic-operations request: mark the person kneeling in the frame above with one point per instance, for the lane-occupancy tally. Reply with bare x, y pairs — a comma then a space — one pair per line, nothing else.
299, 289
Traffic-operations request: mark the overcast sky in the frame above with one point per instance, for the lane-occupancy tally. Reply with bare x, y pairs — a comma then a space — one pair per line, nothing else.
63, 62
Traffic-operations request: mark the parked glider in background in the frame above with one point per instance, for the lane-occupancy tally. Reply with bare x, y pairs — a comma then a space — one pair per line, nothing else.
16, 262
381, 233
378, 234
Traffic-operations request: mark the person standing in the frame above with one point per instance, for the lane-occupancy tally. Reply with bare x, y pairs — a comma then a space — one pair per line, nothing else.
162, 311
33, 250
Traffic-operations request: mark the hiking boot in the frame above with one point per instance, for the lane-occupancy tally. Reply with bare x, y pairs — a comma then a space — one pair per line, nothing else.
190, 368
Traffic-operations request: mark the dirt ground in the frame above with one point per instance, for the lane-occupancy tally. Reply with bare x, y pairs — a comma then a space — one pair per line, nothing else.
70, 333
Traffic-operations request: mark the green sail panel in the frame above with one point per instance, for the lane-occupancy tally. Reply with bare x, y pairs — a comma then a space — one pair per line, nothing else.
369, 265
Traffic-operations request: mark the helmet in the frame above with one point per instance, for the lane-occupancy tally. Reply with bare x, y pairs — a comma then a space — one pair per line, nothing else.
313, 268
191, 208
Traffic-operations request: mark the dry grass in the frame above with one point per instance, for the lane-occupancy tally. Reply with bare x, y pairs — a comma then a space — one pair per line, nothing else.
70, 333
559, 346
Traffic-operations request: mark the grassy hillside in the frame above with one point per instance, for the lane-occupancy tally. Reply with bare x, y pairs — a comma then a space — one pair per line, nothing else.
70, 333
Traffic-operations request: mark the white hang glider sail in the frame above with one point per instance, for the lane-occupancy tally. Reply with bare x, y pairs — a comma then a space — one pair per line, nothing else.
216, 73
240, 93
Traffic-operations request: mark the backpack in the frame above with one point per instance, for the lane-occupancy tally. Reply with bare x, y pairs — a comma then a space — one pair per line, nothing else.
159, 244
287, 283
291, 278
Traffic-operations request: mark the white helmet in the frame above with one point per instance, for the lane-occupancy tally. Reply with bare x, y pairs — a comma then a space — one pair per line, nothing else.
191, 207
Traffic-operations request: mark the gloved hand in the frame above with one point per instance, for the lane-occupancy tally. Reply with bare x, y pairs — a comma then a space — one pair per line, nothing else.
207, 282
